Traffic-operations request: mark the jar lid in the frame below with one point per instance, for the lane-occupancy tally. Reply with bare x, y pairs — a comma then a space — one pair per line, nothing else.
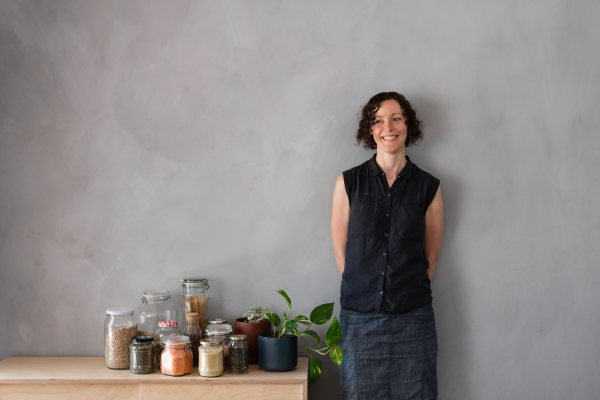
217, 321
220, 329
156, 295
210, 343
120, 311
195, 282
167, 323
238, 337
142, 339
176, 339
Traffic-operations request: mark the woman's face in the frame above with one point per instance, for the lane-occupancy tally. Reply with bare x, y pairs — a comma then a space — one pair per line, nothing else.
389, 128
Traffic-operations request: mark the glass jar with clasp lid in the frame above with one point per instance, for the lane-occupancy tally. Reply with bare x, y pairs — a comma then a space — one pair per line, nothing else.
219, 330
153, 309
195, 297
176, 358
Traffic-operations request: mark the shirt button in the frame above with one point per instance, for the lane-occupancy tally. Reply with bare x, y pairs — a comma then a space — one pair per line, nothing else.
380, 292
383, 273
388, 194
387, 215
384, 254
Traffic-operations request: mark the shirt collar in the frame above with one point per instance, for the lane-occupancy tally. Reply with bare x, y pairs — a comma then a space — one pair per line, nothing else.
406, 171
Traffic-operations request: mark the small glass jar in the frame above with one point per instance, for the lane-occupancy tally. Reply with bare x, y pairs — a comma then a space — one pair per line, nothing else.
221, 333
239, 356
119, 328
153, 309
195, 297
176, 358
211, 359
165, 328
192, 330
142, 353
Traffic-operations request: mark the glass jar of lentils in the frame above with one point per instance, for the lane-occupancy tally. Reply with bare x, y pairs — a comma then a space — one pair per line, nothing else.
119, 328
239, 356
176, 358
142, 353
210, 355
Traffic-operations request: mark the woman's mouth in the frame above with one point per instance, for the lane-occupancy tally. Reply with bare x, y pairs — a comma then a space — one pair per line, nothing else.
389, 138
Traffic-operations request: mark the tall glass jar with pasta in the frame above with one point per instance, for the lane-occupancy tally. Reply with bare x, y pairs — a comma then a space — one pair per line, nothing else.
195, 297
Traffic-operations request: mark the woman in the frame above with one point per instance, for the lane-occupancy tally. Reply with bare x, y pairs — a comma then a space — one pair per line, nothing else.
387, 225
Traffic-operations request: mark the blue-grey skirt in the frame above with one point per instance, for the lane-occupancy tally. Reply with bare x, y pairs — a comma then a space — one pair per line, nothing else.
389, 356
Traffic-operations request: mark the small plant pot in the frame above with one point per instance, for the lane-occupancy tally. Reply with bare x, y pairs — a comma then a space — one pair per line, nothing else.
251, 330
277, 354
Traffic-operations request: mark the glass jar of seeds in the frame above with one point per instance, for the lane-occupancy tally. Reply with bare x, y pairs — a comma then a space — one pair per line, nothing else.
210, 356
239, 356
195, 297
142, 354
119, 328
219, 330
176, 358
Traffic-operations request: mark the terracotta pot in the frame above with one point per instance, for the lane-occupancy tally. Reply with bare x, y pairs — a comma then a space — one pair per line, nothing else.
252, 330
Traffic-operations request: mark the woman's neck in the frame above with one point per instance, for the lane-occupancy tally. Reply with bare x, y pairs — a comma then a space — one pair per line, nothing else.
391, 164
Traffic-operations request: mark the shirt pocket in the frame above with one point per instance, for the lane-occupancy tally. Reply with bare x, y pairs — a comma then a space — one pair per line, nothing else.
364, 214
409, 220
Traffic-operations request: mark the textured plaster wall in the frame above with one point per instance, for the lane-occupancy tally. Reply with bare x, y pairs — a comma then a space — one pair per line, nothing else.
142, 142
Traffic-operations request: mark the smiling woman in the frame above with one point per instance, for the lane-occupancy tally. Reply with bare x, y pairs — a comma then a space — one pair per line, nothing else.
386, 226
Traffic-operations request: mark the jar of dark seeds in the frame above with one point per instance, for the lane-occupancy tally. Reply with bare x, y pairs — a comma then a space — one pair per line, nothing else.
142, 353
239, 357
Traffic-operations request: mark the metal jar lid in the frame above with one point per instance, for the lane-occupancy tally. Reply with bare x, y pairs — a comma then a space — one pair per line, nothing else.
195, 282
142, 339
238, 337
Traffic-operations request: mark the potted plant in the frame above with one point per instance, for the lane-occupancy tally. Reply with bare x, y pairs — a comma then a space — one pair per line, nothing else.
251, 324
278, 350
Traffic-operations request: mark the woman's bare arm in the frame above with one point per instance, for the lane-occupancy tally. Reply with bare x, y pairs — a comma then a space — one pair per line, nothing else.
434, 230
340, 215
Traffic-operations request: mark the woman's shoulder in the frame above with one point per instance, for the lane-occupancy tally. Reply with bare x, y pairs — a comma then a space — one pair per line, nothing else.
361, 168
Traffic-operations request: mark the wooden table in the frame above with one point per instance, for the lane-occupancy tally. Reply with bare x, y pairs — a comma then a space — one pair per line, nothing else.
84, 378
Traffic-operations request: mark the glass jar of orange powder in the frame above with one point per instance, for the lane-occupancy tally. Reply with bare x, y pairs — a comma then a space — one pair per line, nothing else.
176, 358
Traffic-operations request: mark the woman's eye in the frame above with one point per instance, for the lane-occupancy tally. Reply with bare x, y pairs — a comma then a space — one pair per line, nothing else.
378, 121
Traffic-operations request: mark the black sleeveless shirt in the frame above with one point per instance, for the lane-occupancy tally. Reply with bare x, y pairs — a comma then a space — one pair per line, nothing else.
386, 267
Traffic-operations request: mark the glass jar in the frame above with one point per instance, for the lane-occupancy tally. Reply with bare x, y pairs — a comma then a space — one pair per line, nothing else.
192, 330
154, 308
142, 353
119, 328
221, 332
165, 328
176, 358
239, 356
195, 296
211, 359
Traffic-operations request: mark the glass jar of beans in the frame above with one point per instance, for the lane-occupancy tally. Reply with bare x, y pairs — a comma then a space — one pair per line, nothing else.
176, 358
119, 328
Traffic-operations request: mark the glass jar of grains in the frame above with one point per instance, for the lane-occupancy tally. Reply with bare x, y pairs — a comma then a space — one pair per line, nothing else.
221, 332
195, 296
165, 328
176, 358
210, 356
119, 328
142, 353
153, 309
239, 356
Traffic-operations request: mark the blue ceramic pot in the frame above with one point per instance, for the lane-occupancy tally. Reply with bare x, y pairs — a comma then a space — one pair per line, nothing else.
277, 354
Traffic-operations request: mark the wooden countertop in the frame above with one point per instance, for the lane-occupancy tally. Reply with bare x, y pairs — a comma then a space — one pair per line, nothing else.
88, 370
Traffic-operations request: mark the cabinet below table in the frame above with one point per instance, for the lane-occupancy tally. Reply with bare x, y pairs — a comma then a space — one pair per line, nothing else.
67, 378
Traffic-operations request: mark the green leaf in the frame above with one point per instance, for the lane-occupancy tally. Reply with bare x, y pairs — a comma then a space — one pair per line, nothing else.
291, 327
313, 334
315, 368
286, 297
273, 318
322, 313
301, 319
334, 334
337, 355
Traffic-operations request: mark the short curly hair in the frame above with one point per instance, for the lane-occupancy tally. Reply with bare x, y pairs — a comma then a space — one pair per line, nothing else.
364, 134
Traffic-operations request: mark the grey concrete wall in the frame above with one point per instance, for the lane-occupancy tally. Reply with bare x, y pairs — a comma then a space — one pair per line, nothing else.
143, 142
